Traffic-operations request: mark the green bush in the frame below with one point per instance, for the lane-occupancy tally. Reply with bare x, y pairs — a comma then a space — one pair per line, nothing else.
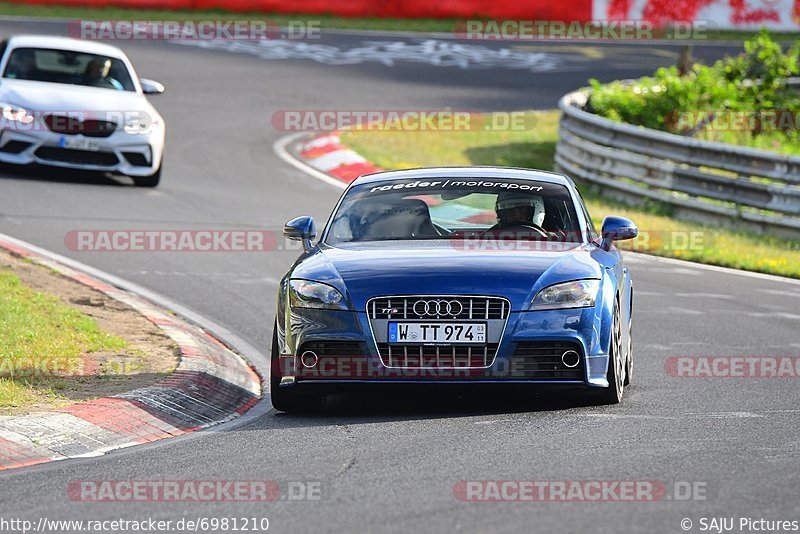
751, 84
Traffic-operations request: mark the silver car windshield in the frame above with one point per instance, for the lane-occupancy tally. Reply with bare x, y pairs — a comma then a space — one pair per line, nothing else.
68, 67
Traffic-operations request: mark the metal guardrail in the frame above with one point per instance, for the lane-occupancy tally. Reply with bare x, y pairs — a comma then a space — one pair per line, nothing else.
714, 183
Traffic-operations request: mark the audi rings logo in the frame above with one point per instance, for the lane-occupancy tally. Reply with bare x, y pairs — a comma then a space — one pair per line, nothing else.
437, 308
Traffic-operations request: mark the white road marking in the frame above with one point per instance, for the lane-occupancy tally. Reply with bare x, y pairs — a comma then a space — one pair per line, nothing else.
676, 270
701, 415
434, 52
788, 293
727, 415
237, 278
322, 141
657, 346
493, 421
688, 265
685, 415
280, 149
771, 315
334, 160
671, 310
772, 307
262, 280
704, 295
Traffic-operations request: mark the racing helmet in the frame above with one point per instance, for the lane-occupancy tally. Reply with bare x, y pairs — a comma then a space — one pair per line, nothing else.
517, 206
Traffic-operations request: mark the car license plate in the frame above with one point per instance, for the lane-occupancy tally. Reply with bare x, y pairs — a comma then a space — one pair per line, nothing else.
444, 333
78, 143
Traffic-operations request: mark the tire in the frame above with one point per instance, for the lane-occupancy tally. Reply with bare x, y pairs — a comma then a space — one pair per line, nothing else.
148, 181
616, 387
284, 399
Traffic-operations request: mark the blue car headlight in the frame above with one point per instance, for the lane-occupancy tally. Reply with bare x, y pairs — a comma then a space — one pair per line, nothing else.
577, 294
307, 294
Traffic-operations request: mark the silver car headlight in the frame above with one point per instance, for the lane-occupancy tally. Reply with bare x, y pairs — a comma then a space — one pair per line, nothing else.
577, 294
307, 294
15, 114
139, 126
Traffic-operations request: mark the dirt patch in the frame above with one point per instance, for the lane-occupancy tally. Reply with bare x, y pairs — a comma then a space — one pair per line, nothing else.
148, 356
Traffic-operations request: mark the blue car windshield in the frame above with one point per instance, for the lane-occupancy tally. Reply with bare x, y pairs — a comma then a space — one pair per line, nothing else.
462, 208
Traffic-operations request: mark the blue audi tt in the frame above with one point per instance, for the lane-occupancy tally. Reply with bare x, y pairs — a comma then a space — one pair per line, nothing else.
454, 275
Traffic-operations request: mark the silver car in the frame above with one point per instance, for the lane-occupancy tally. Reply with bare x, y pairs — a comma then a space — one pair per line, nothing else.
80, 105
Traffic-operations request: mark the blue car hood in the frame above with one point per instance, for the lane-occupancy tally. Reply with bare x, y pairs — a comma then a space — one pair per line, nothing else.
365, 270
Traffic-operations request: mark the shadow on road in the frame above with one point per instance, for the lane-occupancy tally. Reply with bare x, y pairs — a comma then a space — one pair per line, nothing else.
400, 406
40, 173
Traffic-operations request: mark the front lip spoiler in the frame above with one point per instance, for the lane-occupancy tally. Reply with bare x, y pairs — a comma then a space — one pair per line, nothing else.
394, 382
395, 388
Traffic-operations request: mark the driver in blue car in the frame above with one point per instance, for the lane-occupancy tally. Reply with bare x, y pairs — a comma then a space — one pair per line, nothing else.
519, 209
520, 213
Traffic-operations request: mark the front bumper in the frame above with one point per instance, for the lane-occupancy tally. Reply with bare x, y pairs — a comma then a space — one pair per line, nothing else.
347, 352
121, 152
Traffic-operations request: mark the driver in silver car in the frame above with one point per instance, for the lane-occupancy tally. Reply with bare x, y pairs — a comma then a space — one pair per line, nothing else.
97, 74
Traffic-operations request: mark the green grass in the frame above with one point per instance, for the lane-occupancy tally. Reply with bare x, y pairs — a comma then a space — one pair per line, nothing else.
649, 103
40, 339
325, 21
535, 147
771, 141
530, 143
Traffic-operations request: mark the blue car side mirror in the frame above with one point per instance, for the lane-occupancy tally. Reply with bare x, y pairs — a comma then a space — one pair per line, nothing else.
617, 229
301, 229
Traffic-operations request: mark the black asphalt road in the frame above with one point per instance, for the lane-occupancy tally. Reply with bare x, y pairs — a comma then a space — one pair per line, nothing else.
391, 464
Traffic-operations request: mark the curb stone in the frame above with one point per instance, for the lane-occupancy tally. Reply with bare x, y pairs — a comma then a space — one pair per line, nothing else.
326, 153
211, 385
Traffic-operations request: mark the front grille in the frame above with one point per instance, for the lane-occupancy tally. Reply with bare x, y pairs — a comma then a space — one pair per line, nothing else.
541, 360
437, 357
14, 147
449, 307
72, 126
440, 309
69, 155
